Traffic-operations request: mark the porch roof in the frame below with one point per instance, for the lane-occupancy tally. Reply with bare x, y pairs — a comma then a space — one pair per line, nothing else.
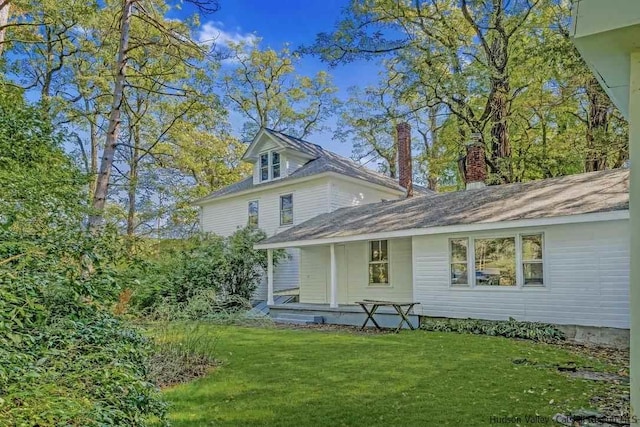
574, 198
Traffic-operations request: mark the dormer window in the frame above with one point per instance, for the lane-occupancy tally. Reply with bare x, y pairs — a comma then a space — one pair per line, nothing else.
275, 165
269, 166
264, 167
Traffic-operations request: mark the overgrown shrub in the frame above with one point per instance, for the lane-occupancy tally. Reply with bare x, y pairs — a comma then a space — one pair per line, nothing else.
66, 360
207, 305
206, 266
181, 356
508, 328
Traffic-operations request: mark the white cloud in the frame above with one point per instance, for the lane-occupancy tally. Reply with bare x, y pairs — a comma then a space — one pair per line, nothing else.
213, 32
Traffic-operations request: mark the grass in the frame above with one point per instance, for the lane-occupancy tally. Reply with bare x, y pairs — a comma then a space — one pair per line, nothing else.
286, 377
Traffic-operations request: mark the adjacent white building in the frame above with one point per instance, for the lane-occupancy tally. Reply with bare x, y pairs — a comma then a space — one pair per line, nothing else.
292, 182
554, 250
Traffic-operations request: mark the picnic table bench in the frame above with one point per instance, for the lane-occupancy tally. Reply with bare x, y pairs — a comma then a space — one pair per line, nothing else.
398, 306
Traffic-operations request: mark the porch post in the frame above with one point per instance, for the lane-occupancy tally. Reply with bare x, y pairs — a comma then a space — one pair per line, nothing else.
634, 220
333, 299
270, 277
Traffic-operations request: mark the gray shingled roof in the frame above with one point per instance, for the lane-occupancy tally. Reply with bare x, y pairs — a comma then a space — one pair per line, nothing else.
570, 195
325, 161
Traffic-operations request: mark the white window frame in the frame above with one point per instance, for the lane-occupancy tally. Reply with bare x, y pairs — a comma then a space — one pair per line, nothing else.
471, 261
280, 210
269, 165
257, 202
388, 262
451, 262
531, 261
272, 165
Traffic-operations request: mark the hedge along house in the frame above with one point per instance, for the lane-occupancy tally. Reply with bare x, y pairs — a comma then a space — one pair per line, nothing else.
554, 250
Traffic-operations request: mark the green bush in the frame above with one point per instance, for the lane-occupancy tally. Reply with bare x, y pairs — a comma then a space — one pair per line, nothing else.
181, 355
509, 328
227, 270
65, 359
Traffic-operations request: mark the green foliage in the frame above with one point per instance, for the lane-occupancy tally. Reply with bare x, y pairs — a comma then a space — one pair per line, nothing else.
510, 328
205, 273
39, 185
66, 360
180, 358
268, 91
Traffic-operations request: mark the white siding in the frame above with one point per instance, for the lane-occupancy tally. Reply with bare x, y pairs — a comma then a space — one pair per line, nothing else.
353, 273
586, 274
292, 163
344, 193
225, 216
310, 198
266, 144
314, 263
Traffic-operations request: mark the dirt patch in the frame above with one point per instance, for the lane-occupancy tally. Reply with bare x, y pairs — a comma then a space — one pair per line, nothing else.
599, 376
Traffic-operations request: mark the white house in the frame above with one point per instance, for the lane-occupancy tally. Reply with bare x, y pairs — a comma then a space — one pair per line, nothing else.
607, 34
292, 182
554, 250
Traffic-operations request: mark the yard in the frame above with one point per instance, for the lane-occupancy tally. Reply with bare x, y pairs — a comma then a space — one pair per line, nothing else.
306, 377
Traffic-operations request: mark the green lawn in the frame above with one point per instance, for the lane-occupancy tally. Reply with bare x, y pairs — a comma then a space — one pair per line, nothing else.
285, 377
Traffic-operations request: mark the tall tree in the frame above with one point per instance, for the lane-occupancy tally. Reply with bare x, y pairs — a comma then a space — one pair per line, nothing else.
473, 60
265, 88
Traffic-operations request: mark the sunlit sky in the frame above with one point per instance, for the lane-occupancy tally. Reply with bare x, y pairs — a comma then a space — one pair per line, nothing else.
296, 23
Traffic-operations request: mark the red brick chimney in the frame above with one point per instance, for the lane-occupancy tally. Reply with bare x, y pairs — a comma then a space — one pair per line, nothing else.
405, 169
475, 163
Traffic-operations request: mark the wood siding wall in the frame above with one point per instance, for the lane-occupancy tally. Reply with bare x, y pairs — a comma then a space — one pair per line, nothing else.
586, 272
353, 273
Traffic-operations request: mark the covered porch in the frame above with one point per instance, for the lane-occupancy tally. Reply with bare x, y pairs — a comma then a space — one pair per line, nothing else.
338, 274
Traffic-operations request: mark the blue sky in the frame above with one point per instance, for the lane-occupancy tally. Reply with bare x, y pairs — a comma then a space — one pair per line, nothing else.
297, 23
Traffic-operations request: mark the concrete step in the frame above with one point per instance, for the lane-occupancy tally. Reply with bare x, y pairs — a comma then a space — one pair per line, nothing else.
298, 319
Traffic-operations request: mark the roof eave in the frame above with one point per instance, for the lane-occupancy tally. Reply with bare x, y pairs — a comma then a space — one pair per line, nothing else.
459, 228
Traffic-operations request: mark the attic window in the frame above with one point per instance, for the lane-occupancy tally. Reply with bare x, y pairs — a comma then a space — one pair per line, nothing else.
275, 165
264, 167
270, 166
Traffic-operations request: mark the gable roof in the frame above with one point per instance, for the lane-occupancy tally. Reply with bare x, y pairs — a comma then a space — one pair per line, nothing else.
323, 161
593, 192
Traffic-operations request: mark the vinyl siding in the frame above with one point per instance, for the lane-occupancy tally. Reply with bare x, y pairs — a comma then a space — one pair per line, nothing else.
353, 273
313, 274
586, 279
225, 216
310, 198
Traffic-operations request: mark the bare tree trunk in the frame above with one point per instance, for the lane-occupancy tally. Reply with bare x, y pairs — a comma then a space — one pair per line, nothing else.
102, 185
132, 189
597, 124
5, 5
131, 194
93, 171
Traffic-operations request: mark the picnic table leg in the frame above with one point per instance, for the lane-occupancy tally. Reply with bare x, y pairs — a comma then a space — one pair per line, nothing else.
370, 314
403, 317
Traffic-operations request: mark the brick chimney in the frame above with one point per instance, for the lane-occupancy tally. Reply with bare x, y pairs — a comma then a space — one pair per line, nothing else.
405, 172
475, 163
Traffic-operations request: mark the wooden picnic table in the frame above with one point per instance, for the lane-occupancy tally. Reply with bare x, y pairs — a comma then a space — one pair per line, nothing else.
398, 306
